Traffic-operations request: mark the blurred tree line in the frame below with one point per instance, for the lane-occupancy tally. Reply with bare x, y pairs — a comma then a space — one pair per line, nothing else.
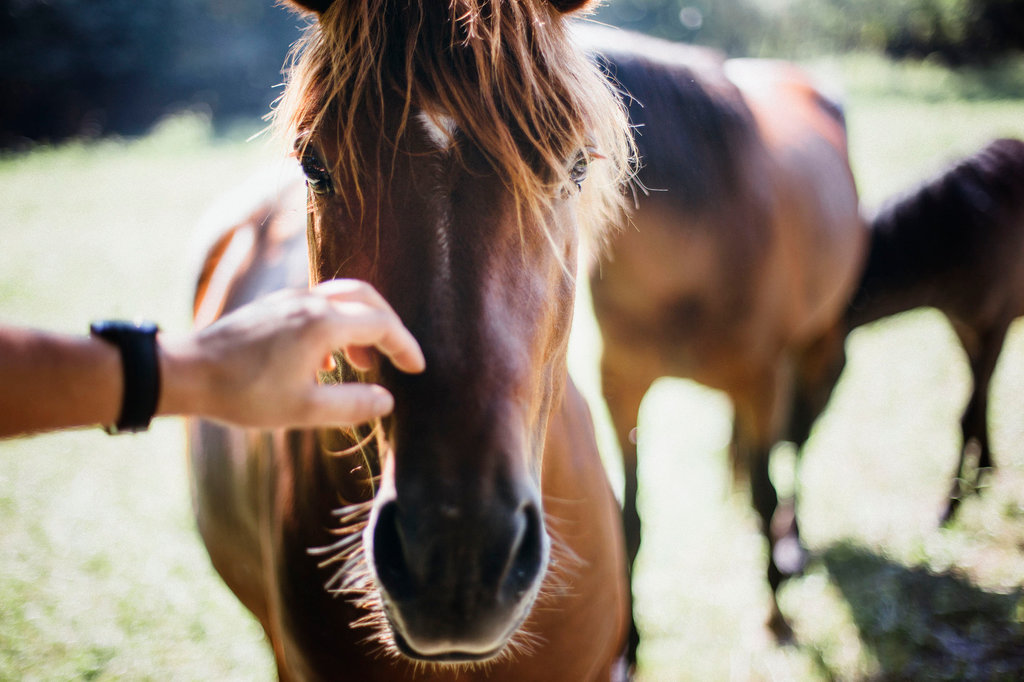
89, 67
955, 31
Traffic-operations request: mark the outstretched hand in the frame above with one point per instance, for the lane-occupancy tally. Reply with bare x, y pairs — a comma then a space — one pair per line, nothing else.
257, 365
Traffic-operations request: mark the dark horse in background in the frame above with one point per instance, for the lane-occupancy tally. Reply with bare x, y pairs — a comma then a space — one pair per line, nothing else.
736, 264
955, 243
471, 534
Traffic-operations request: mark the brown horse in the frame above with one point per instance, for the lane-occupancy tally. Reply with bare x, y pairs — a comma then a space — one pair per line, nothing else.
473, 532
738, 260
955, 243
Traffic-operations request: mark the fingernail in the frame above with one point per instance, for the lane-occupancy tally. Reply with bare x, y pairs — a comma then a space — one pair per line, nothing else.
383, 403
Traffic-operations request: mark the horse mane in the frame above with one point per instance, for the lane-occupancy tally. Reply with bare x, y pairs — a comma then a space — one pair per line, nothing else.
942, 229
700, 156
504, 71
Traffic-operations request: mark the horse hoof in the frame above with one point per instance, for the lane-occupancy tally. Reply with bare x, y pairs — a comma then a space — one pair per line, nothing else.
788, 553
789, 556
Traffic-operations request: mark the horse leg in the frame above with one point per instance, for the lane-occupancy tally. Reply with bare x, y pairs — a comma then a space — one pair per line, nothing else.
983, 351
818, 369
623, 392
756, 429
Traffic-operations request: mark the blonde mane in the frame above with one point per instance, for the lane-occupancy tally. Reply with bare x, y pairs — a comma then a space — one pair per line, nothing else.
505, 71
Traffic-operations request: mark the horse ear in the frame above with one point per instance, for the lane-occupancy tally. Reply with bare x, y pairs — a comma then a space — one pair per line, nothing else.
566, 6
318, 6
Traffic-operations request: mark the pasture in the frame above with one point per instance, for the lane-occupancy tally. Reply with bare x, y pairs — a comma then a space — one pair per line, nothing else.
103, 577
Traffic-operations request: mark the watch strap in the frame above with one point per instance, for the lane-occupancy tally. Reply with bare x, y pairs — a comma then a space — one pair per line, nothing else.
136, 342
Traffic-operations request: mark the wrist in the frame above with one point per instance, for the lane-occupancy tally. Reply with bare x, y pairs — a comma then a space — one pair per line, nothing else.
185, 376
136, 344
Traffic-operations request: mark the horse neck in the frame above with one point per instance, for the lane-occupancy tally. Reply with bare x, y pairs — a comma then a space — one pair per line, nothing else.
902, 272
945, 238
588, 556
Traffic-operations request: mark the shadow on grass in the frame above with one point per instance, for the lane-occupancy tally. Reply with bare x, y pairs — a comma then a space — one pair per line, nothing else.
922, 625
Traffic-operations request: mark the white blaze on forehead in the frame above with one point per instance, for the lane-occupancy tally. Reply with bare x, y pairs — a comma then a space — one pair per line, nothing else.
440, 129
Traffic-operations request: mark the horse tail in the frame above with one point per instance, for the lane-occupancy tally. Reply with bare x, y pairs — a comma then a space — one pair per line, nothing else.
943, 226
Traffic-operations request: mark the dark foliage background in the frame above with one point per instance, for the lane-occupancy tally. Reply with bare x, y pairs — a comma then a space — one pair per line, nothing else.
954, 31
89, 67
84, 68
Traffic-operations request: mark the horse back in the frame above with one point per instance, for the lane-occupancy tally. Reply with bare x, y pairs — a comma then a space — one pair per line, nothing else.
821, 237
251, 244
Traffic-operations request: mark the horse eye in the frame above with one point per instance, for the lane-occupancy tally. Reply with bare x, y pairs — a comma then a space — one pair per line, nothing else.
578, 172
318, 178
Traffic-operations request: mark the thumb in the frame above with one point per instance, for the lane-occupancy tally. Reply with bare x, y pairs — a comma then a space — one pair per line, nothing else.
349, 404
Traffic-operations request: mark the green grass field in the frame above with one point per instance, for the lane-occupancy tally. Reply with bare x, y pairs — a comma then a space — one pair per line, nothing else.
102, 576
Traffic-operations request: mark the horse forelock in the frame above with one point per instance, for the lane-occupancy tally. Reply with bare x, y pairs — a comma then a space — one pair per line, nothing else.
504, 71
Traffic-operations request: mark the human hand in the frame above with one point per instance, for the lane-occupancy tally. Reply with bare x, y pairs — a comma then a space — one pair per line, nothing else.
257, 365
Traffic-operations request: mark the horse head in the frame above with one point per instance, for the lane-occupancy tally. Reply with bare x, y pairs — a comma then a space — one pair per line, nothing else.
446, 148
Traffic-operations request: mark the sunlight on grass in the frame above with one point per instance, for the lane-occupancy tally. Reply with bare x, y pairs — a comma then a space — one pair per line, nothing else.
104, 568
103, 574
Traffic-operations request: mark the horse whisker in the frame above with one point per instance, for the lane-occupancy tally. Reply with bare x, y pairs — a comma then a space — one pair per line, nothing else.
343, 544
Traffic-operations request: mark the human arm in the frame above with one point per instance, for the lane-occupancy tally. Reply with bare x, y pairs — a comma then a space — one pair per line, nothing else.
254, 367
50, 381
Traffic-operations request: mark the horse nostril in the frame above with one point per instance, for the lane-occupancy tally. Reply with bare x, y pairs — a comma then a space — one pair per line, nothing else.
389, 555
528, 555
398, 562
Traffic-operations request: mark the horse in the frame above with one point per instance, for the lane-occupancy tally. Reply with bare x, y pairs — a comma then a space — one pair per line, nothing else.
457, 156
955, 243
735, 265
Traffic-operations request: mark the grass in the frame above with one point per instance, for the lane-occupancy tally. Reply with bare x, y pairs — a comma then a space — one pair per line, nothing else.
102, 573
102, 576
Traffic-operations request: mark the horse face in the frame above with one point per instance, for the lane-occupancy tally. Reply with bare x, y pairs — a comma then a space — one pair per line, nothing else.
445, 145
456, 540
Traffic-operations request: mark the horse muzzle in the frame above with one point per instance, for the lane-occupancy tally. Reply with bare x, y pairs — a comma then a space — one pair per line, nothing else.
456, 584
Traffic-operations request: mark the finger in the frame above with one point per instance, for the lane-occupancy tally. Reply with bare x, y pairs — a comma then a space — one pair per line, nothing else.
348, 404
357, 325
354, 290
407, 356
360, 358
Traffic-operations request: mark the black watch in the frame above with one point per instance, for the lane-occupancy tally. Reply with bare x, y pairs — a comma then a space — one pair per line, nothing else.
137, 343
